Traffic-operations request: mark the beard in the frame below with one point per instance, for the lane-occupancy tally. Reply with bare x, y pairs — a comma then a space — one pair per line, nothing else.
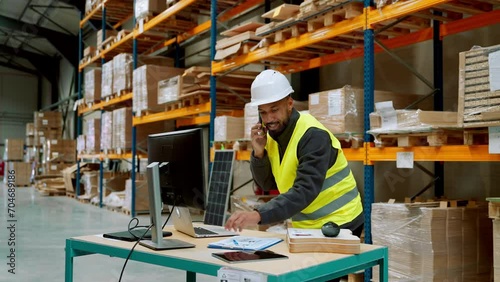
276, 128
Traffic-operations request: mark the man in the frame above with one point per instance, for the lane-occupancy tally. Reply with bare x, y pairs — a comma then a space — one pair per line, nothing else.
297, 155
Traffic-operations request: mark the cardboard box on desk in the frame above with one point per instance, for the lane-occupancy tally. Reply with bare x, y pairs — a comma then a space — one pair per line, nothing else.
341, 110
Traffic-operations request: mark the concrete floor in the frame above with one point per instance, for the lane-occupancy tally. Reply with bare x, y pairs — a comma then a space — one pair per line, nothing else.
44, 223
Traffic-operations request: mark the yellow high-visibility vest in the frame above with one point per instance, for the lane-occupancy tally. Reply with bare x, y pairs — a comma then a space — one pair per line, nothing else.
339, 200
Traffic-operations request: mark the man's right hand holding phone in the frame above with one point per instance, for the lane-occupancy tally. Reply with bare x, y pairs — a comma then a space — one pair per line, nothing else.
259, 140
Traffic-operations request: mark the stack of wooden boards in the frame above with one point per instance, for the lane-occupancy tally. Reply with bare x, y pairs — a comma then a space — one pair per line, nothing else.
313, 241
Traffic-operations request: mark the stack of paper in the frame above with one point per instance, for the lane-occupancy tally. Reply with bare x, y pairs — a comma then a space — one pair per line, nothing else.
313, 241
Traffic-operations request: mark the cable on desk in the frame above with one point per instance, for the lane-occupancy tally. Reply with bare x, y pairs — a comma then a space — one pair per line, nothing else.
139, 239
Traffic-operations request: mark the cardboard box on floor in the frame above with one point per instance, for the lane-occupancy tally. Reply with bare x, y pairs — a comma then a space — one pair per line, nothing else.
69, 176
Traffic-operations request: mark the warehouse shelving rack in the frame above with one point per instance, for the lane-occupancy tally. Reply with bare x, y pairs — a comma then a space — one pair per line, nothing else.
140, 41
481, 15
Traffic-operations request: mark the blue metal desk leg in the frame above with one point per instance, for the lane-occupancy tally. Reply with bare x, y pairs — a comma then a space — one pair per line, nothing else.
69, 262
190, 276
384, 267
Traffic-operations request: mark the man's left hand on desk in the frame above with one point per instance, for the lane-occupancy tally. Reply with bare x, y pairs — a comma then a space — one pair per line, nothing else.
240, 220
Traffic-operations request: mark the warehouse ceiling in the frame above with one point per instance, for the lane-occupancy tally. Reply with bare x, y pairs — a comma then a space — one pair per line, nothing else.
36, 34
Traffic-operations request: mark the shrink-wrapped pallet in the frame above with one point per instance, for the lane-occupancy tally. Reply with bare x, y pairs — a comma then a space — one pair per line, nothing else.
92, 134
107, 131
93, 85
228, 128
108, 34
122, 73
107, 79
341, 110
80, 144
251, 115
169, 90
122, 129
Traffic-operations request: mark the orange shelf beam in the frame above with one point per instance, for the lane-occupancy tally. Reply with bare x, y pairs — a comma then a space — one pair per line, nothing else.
174, 114
458, 153
201, 28
241, 155
473, 22
199, 120
117, 44
397, 42
122, 156
92, 13
89, 156
105, 104
303, 40
355, 155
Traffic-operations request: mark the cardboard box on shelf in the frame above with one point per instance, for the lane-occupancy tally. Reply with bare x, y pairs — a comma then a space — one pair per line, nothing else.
109, 33
145, 86
341, 110
43, 135
30, 129
92, 132
45, 120
59, 150
145, 8
407, 119
228, 128
93, 84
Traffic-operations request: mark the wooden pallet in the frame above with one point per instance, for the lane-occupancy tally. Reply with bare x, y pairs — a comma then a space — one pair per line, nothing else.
333, 15
350, 140
477, 104
443, 203
476, 136
436, 137
70, 195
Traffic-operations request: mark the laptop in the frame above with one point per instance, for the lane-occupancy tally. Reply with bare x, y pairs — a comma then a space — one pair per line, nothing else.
183, 223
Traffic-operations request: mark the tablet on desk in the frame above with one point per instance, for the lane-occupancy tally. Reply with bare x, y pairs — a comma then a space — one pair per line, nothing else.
244, 256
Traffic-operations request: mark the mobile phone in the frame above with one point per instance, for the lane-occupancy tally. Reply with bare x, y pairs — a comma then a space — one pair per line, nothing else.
244, 256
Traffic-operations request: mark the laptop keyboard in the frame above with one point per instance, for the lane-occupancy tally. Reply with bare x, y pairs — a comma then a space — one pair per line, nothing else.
203, 231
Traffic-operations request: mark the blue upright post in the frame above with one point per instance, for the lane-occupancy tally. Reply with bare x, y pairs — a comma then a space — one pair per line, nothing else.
213, 80
134, 131
438, 96
79, 119
101, 165
369, 87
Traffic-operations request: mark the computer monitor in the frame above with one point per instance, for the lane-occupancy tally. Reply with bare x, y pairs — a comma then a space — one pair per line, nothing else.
176, 176
183, 181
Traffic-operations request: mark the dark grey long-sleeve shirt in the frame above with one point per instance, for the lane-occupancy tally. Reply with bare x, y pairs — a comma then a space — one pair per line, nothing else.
315, 154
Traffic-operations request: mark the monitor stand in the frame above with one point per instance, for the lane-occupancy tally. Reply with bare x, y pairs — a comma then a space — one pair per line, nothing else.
157, 242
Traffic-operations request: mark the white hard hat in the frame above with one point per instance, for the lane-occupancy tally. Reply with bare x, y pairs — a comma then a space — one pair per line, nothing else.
268, 87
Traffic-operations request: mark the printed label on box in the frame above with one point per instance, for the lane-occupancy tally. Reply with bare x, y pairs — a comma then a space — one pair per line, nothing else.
334, 103
494, 64
53, 167
404, 159
494, 140
53, 142
40, 114
314, 98
45, 122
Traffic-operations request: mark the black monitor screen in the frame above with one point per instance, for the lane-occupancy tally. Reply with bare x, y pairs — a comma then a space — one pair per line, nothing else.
182, 181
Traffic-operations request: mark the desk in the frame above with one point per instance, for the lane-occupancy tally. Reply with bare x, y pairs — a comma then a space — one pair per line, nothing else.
299, 266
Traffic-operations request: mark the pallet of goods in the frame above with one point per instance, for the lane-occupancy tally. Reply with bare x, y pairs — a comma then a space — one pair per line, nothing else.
479, 87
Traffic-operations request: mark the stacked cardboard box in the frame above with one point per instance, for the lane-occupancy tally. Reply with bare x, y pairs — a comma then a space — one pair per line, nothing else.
107, 79
341, 110
106, 131
229, 128
14, 150
93, 85
48, 125
58, 154
108, 33
433, 244
18, 173
30, 134
141, 194
92, 132
145, 86
122, 73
